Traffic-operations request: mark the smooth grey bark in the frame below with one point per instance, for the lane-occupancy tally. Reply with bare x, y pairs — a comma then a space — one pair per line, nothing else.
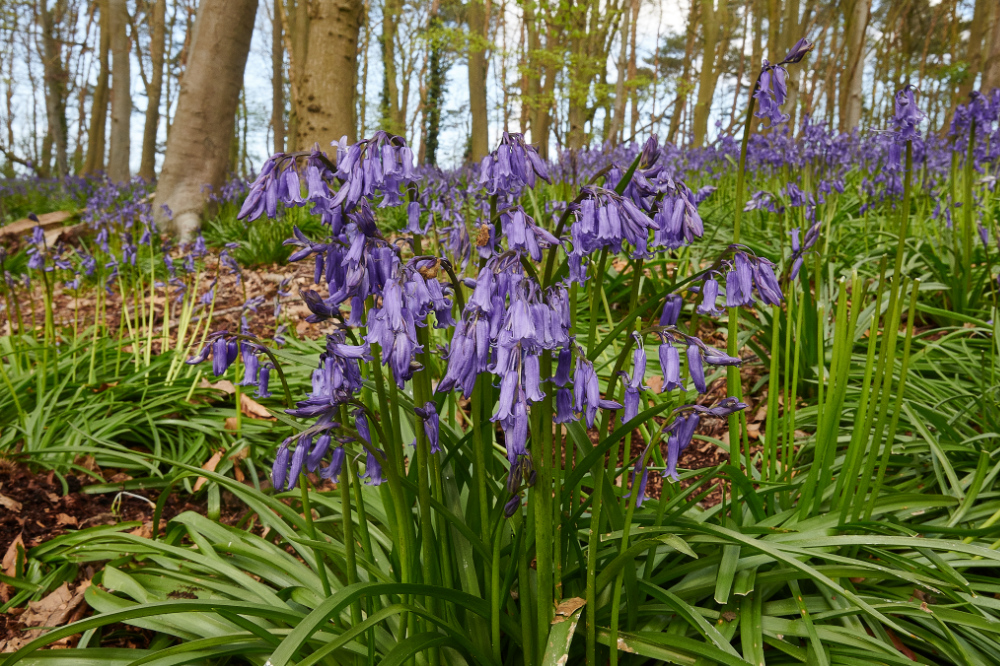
198, 147
121, 95
157, 27
325, 104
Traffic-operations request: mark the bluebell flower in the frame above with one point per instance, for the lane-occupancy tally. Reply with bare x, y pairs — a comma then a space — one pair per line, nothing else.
432, 424
681, 431
907, 115
709, 296
671, 310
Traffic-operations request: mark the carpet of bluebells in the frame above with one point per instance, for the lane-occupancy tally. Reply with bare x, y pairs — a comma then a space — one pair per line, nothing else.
457, 421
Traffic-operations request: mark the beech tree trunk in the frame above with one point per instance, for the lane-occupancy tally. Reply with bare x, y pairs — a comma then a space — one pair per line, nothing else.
198, 146
977, 30
435, 89
325, 103
392, 115
479, 143
121, 96
277, 81
99, 106
632, 68
712, 20
55, 80
157, 27
618, 118
858, 12
991, 66
683, 87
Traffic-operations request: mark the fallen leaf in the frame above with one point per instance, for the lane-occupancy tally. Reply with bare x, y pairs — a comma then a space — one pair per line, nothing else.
224, 385
65, 519
567, 607
10, 504
753, 430
145, 531
209, 466
656, 383
59, 608
231, 423
254, 409
10, 558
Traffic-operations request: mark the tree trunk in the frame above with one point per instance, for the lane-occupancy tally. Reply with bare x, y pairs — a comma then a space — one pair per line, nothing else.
55, 80
683, 87
99, 107
618, 118
121, 97
198, 147
277, 82
479, 143
633, 70
325, 103
711, 19
147, 168
392, 116
991, 66
435, 90
974, 54
851, 92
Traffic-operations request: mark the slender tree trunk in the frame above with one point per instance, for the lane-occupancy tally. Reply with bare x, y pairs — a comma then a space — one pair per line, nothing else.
147, 168
991, 66
853, 76
99, 106
479, 144
197, 150
683, 87
392, 116
974, 55
435, 88
121, 97
325, 105
633, 70
712, 20
277, 81
618, 119
55, 80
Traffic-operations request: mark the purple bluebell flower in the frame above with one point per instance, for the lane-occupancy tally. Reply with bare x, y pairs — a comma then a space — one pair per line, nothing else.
332, 471
695, 367
681, 431
432, 424
709, 296
511, 167
263, 379
670, 365
907, 115
671, 310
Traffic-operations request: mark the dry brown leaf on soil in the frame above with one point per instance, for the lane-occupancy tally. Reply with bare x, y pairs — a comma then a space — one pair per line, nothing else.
10, 558
145, 530
254, 409
209, 466
232, 423
224, 385
10, 504
66, 519
59, 608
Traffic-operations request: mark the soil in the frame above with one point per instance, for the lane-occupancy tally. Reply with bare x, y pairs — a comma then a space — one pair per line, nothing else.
35, 508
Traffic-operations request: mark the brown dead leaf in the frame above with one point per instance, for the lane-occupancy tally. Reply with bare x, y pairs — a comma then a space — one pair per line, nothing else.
225, 386
10, 558
209, 466
87, 462
59, 608
231, 423
567, 607
10, 504
145, 531
65, 519
753, 430
656, 383
254, 409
